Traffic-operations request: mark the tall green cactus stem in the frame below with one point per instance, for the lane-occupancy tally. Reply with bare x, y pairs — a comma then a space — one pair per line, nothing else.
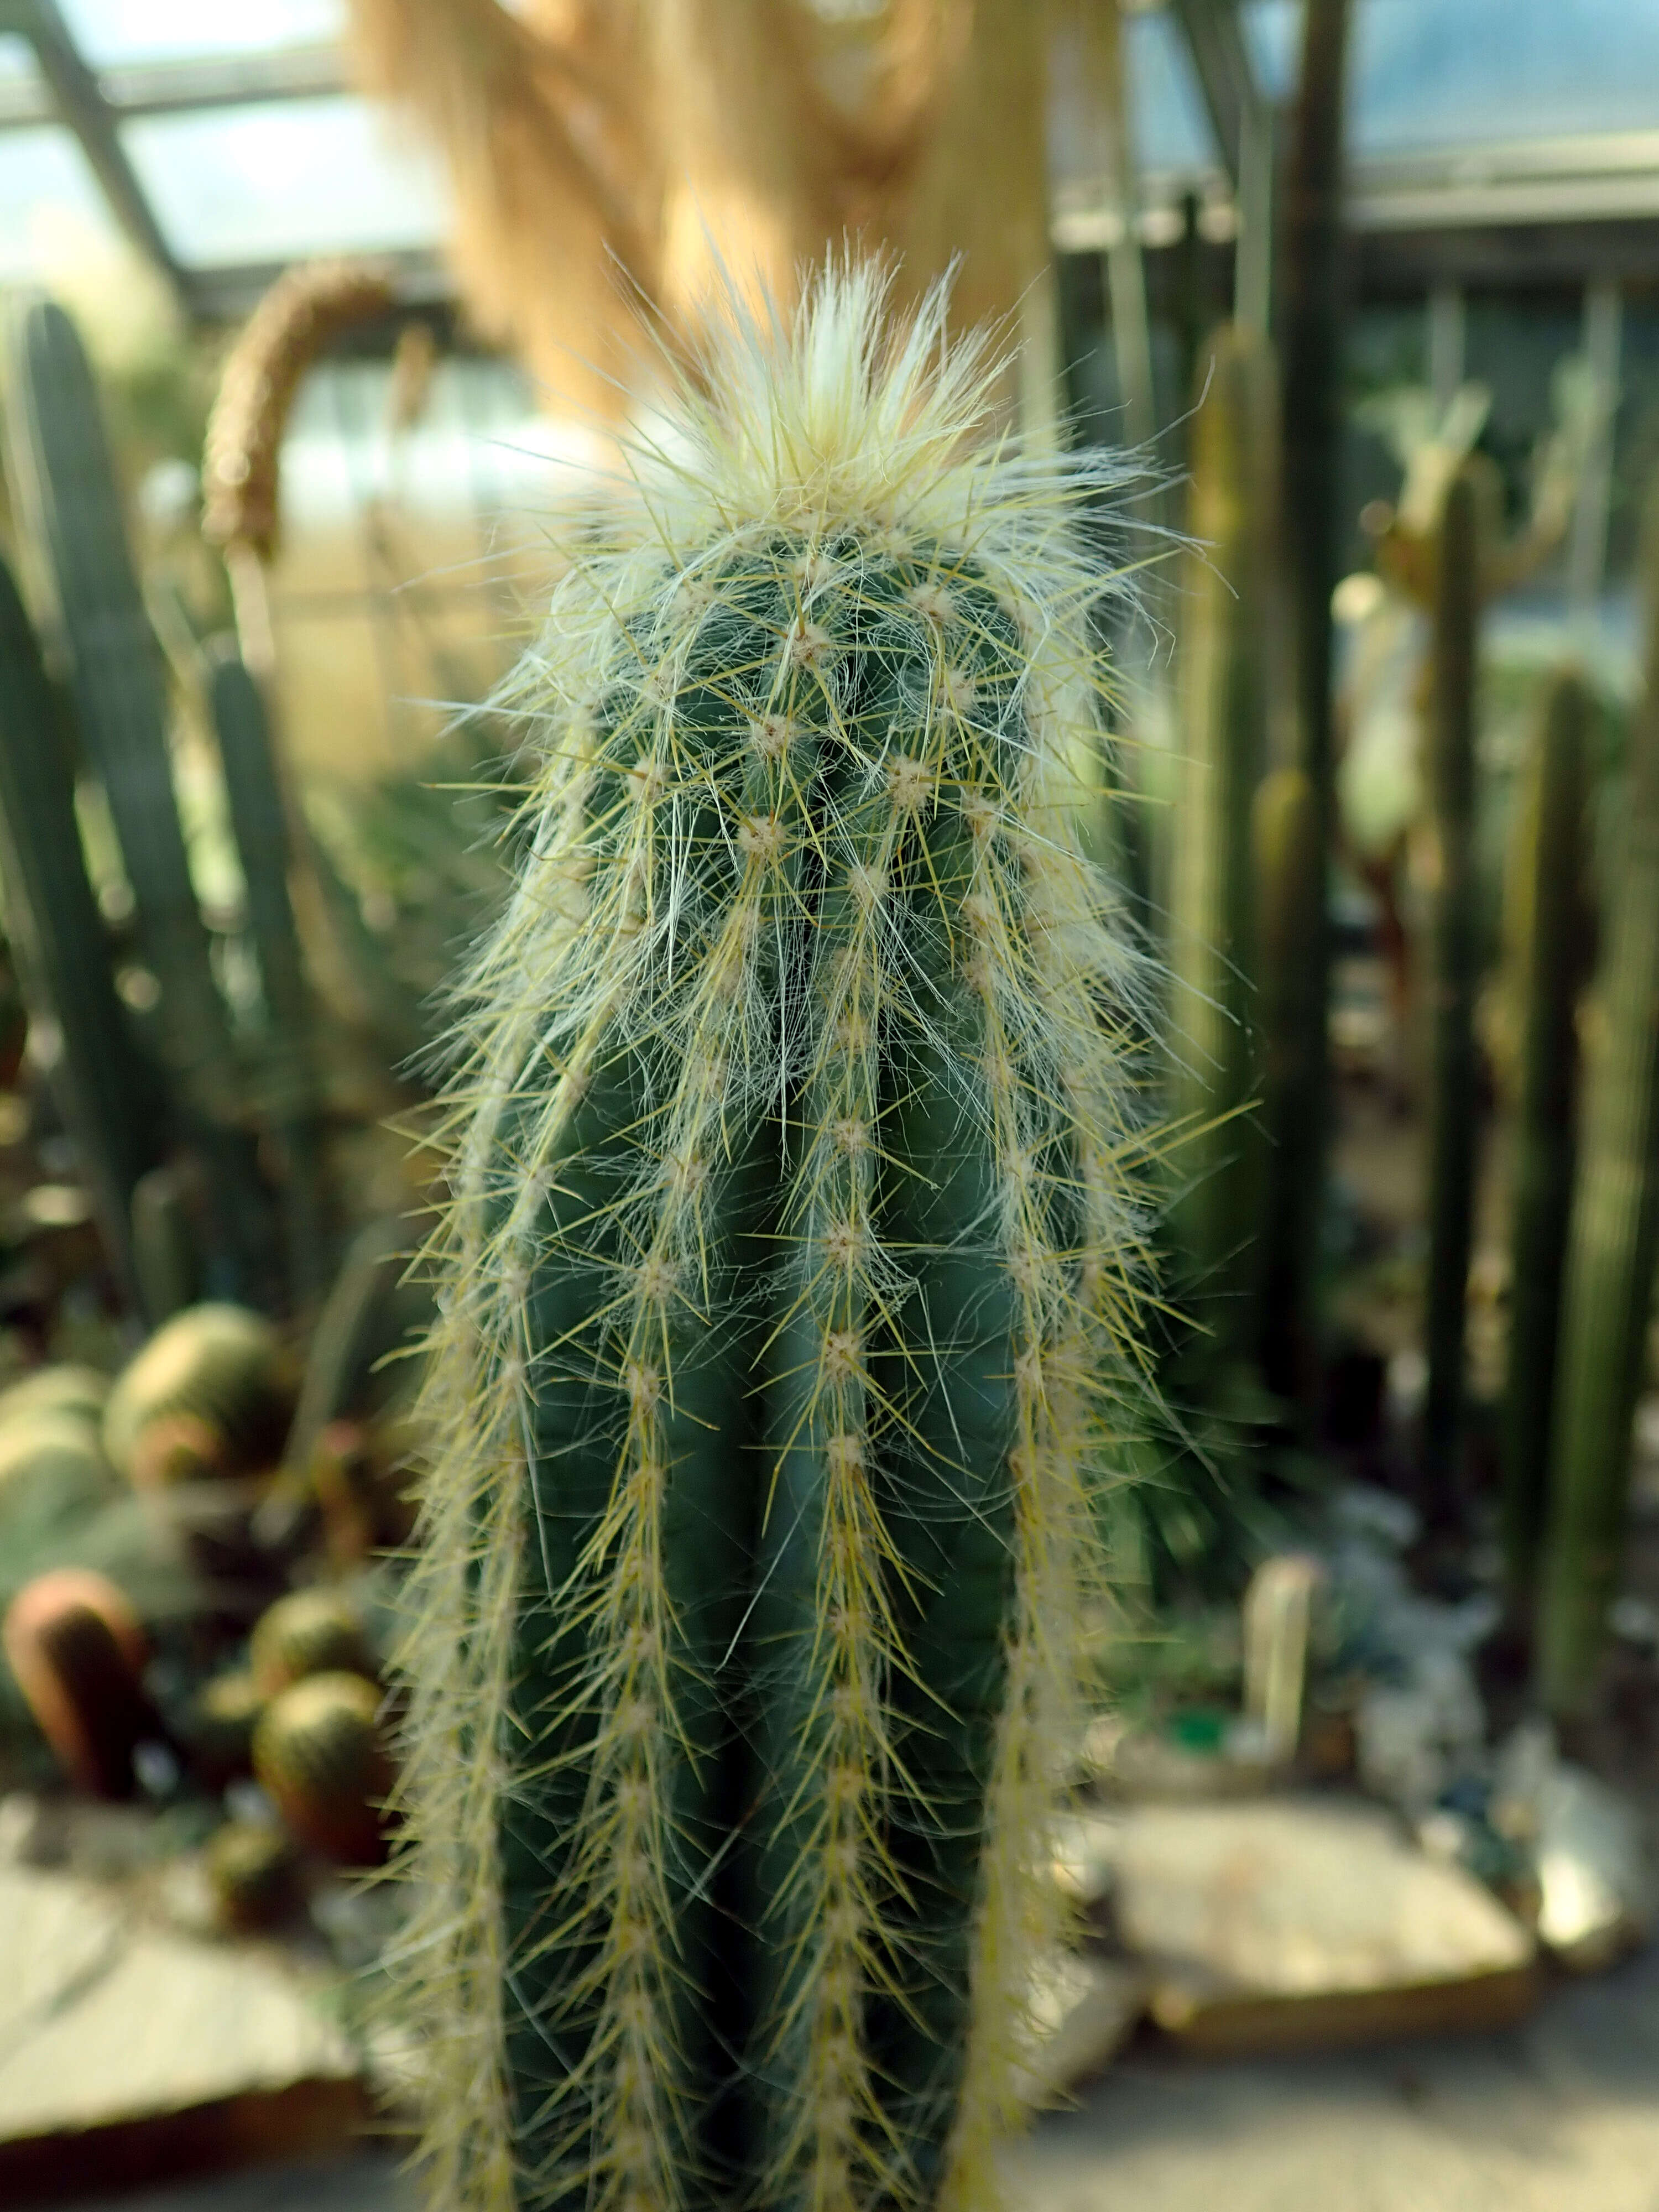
1224, 739
70, 493
107, 1093
1549, 885
1311, 281
59, 460
258, 816
1611, 1246
1455, 960
1289, 882
788, 1283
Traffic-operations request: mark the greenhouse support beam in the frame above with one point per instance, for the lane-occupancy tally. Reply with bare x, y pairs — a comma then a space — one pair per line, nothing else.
84, 110
1232, 97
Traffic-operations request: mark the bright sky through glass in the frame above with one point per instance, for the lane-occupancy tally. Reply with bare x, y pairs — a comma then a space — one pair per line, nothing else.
110, 33
290, 178
269, 182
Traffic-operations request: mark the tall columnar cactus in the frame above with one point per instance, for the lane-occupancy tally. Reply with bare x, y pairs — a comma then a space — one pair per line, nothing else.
1550, 941
1455, 959
258, 816
788, 1283
58, 459
1222, 742
62, 464
1607, 1294
1311, 285
1289, 865
107, 1092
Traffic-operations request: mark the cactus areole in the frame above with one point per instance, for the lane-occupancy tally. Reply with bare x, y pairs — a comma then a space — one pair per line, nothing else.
787, 1290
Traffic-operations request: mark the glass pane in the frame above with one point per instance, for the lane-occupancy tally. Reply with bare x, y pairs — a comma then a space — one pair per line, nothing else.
109, 32
1430, 74
1273, 30
16, 61
50, 205
272, 182
1171, 130
1434, 74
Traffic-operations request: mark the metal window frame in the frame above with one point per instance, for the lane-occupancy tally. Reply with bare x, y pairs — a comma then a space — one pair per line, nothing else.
1463, 204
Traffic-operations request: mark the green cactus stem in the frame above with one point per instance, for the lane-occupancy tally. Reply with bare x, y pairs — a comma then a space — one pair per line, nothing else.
59, 460
107, 1093
1223, 735
1453, 964
1551, 934
789, 1284
1310, 265
1607, 1294
259, 818
1290, 881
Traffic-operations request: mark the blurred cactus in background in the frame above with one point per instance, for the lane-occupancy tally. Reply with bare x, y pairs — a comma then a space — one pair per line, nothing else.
1311, 283
1551, 940
1225, 681
1455, 952
108, 1092
1613, 1238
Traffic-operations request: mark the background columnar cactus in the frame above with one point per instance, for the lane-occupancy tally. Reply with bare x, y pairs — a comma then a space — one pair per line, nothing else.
1551, 932
1213, 895
787, 1288
1608, 1292
106, 1090
1454, 968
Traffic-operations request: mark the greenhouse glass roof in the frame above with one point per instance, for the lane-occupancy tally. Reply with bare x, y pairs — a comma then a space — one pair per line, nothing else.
224, 139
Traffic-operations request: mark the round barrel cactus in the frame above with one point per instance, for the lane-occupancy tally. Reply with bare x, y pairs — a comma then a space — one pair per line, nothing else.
787, 1292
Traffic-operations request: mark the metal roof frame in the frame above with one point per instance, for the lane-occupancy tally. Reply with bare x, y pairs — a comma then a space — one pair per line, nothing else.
1472, 205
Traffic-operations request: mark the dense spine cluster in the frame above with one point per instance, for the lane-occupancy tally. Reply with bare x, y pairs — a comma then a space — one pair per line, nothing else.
787, 1285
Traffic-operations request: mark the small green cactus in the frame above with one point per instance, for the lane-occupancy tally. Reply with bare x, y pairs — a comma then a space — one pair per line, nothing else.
790, 1279
1552, 934
216, 1728
77, 1651
1608, 1293
212, 1386
319, 1756
309, 1632
1455, 962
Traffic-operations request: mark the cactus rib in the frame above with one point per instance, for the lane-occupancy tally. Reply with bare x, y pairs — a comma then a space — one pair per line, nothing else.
789, 1278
